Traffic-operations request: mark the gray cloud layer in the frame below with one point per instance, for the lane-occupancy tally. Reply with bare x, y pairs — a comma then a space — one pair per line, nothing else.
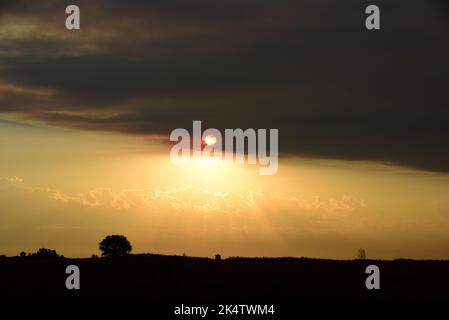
306, 67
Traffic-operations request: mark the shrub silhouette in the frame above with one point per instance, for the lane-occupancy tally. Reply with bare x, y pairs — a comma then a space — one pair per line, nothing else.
115, 246
361, 254
45, 253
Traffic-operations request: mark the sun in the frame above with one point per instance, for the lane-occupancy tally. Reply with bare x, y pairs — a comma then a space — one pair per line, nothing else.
210, 140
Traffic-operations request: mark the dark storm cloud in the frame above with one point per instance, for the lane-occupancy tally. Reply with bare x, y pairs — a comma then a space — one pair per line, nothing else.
308, 68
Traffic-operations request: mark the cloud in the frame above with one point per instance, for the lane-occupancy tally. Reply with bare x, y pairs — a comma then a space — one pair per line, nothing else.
306, 67
199, 200
10, 181
187, 198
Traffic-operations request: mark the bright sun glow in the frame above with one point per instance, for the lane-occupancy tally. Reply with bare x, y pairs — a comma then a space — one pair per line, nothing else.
210, 140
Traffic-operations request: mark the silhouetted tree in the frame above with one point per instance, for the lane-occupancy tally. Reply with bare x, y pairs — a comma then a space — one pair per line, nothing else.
115, 246
361, 254
22, 254
218, 258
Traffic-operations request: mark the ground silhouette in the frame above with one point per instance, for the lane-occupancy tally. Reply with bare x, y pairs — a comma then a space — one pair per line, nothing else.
168, 278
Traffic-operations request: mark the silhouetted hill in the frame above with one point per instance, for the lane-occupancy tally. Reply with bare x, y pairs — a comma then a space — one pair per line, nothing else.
168, 278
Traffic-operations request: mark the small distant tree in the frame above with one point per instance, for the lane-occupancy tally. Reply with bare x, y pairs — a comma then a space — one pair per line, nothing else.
22, 254
115, 246
218, 257
361, 254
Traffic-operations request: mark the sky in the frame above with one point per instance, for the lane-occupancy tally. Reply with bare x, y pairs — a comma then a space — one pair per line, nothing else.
85, 117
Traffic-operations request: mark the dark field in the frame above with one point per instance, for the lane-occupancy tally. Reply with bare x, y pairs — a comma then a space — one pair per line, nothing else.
170, 278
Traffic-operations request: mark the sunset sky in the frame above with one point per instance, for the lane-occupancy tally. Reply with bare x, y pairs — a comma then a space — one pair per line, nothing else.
85, 117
